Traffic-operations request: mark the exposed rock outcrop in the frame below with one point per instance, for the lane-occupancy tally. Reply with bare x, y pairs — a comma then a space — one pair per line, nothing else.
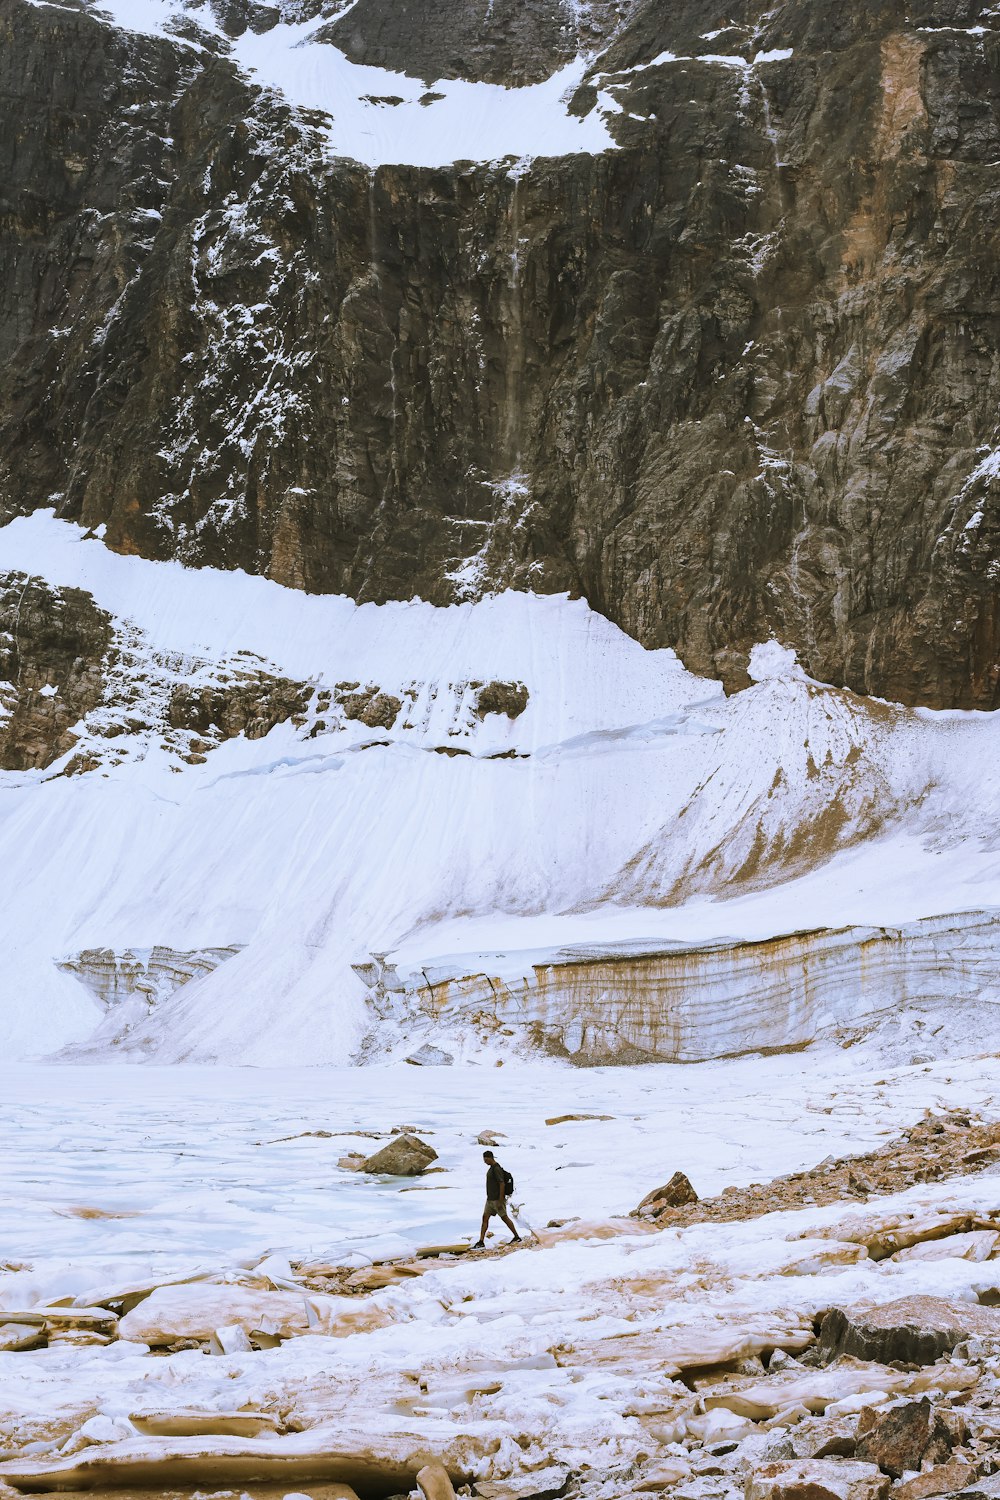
74, 678
147, 973
53, 649
510, 698
250, 704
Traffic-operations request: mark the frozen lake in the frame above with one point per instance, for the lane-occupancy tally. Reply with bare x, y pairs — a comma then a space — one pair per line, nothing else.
193, 1162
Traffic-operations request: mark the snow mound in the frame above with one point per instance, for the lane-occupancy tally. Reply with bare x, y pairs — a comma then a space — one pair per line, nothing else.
769, 659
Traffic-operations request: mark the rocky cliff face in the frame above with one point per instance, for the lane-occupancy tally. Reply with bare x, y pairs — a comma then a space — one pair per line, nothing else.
53, 646
736, 374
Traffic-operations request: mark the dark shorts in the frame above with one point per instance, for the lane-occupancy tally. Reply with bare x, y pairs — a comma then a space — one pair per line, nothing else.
495, 1207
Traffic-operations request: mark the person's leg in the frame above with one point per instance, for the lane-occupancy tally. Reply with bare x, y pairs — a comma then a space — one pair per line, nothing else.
509, 1223
481, 1242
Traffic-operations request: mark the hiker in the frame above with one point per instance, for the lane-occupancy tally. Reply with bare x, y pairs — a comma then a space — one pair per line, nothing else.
499, 1186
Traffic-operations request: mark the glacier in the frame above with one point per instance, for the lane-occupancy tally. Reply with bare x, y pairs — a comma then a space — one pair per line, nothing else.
629, 803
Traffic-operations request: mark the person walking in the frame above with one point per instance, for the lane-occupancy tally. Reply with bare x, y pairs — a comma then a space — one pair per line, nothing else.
499, 1186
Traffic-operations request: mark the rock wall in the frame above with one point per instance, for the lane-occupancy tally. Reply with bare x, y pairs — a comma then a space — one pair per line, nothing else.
692, 1003
53, 649
737, 376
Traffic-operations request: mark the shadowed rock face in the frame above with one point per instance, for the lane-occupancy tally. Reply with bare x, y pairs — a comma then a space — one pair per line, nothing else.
53, 645
511, 42
737, 376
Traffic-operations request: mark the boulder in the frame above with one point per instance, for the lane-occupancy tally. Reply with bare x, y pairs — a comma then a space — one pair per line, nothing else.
915, 1330
542, 1484
817, 1479
825, 1437
672, 1194
981, 1489
903, 1438
667, 1474
404, 1156
943, 1479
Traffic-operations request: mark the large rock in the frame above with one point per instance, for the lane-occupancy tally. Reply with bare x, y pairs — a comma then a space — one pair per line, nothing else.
429, 1056
984, 1488
916, 1330
405, 1155
904, 1438
942, 1479
672, 1194
817, 1479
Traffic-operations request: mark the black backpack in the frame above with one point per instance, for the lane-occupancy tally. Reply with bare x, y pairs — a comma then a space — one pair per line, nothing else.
508, 1181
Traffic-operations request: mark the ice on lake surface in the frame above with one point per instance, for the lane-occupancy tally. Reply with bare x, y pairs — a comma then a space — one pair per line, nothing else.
194, 1160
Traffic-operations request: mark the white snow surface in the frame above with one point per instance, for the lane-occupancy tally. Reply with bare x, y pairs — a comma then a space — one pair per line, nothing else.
639, 805
376, 114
